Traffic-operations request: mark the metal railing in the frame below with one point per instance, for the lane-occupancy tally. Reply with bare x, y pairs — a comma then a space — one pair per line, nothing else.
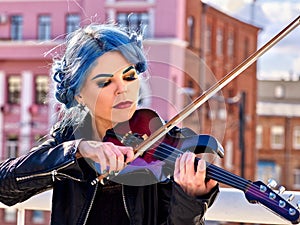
230, 206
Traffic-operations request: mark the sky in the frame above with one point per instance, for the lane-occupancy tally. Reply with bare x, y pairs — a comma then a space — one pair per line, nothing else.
282, 61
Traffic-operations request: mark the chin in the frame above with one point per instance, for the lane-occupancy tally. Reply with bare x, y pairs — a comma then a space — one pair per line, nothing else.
122, 115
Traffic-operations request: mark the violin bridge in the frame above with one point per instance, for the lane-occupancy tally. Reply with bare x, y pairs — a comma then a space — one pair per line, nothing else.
145, 136
133, 139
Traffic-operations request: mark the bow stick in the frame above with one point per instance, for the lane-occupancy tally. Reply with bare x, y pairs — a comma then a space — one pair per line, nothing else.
159, 133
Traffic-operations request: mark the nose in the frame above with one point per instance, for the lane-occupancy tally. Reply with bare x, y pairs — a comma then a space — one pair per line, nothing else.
121, 87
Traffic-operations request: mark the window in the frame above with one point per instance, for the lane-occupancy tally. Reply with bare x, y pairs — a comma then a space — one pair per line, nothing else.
219, 44
208, 39
10, 215
296, 137
44, 32
14, 89
12, 146
277, 137
279, 91
38, 216
246, 48
297, 178
267, 170
72, 23
16, 27
41, 89
191, 30
230, 45
259, 136
135, 21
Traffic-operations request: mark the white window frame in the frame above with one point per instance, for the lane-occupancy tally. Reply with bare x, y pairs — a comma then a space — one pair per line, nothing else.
259, 136
296, 137
10, 215
277, 130
296, 175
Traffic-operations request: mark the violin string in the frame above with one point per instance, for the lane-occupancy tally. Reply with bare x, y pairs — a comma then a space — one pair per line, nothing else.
214, 172
242, 184
164, 147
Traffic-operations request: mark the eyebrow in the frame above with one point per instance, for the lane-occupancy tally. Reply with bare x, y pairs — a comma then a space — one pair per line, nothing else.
102, 75
111, 75
128, 69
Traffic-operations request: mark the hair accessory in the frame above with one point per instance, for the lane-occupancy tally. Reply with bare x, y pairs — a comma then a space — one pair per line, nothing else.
91, 33
81, 107
136, 38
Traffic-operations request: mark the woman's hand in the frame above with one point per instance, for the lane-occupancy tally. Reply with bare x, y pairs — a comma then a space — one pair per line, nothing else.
193, 183
110, 157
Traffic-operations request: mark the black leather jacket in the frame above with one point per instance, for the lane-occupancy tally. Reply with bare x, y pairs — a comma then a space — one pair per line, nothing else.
53, 165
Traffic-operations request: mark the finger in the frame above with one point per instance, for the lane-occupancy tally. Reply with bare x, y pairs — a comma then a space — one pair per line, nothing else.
201, 167
119, 158
177, 167
211, 183
183, 163
111, 158
102, 160
128, 151
189, 164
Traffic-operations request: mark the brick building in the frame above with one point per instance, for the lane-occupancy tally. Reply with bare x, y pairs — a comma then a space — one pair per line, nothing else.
223, 42
278, 132
29, 29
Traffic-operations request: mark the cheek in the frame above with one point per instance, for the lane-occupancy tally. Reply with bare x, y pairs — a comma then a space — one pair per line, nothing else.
134, 89
103, 102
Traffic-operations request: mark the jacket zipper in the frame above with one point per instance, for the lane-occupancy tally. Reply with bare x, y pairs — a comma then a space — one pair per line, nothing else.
53, 173
124, 202
92, 202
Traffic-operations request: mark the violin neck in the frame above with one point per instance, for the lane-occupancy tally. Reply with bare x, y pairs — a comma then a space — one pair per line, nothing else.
225, 177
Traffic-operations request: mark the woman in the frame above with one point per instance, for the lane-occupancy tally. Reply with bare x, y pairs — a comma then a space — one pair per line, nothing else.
97, 87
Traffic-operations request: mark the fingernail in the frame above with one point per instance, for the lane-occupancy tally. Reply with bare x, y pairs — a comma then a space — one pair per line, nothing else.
179, 155
201, 165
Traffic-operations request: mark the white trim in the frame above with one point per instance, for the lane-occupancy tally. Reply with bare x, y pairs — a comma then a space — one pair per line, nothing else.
151, 13
166, 41
129, 4
2, 102
26, 102
296, 133
277, 109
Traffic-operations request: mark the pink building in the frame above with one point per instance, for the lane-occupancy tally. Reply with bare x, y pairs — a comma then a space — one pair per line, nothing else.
29, 29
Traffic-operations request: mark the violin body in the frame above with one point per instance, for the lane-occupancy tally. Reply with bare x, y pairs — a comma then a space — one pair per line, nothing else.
157, 163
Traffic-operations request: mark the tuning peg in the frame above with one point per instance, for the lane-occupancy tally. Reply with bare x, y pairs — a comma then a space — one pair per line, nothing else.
291, 197
272, 183
281, 189
298, 205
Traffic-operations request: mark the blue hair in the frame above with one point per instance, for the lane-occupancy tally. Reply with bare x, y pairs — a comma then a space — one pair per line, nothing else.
83, 47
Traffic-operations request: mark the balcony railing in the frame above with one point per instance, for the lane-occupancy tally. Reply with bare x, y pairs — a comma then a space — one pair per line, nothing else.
230, 206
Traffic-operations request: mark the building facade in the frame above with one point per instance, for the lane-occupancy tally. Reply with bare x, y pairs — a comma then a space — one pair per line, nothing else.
278, 132
223, 42
177, 32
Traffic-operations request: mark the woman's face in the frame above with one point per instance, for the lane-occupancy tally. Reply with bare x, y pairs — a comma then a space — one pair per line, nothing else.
111, 89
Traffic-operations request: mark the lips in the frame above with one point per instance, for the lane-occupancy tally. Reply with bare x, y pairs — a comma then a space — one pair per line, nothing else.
123, 105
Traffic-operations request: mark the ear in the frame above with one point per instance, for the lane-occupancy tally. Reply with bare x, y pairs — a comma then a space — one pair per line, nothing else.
79, 99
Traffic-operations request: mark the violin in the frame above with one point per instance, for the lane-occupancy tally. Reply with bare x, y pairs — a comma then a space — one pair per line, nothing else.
157, 163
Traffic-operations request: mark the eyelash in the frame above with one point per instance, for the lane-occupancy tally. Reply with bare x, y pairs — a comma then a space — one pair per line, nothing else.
103, 84
130, 77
